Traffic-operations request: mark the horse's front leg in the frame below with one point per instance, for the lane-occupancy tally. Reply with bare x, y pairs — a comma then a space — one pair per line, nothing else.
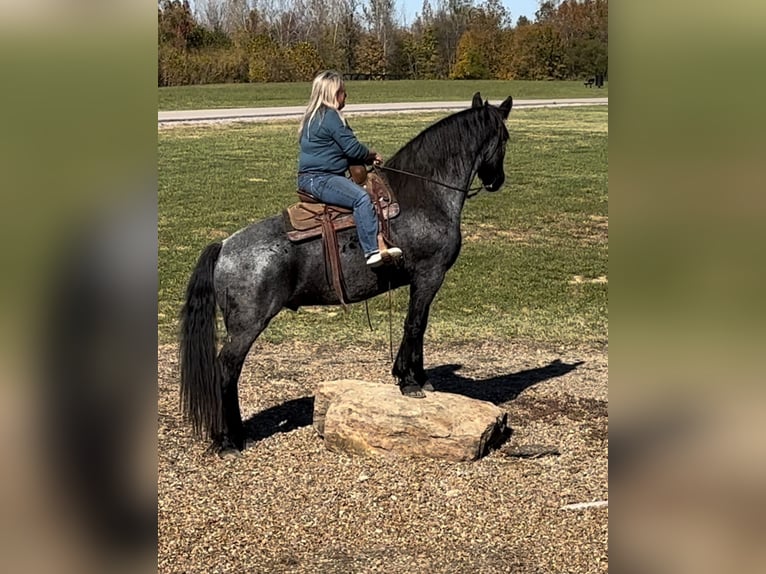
408, 367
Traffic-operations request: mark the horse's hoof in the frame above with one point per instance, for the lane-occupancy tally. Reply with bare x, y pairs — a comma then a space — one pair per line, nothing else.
413, 392
428, 387
225, 449
229, 453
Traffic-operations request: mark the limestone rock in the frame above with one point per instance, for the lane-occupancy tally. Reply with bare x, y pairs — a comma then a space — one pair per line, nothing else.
360, 417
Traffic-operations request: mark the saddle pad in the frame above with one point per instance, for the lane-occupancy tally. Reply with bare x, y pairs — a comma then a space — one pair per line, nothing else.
303, 216
304, 220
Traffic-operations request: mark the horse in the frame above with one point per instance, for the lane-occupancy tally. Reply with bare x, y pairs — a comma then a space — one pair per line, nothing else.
256, 272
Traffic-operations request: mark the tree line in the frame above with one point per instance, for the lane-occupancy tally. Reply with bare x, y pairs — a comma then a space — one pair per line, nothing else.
226, 41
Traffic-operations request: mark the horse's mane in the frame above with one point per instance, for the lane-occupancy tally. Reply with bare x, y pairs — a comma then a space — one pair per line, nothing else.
446, 139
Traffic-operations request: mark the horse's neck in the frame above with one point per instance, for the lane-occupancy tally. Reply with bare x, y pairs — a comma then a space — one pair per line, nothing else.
447, 178
456, 169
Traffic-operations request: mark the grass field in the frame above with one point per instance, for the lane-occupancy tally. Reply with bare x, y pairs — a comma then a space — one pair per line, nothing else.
534, 258
363, 92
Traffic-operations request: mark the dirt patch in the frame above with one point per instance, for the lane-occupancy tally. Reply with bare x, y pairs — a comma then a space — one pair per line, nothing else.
487, 232
289, 505
593, 231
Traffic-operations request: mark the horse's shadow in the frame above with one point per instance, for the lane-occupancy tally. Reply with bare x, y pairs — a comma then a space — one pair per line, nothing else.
288, 416
299, 413
499, 389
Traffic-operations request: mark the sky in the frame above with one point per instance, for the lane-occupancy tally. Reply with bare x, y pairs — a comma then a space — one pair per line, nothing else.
516, 7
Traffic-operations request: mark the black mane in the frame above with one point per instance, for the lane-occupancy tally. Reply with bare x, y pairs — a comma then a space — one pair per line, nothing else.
449, 138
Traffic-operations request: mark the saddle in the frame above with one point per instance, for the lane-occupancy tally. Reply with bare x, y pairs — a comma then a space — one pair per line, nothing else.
309, 219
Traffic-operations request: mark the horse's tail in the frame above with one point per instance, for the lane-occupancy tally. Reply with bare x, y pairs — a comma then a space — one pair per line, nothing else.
200, 384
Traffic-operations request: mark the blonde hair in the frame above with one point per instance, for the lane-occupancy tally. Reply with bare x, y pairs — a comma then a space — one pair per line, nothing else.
324, 92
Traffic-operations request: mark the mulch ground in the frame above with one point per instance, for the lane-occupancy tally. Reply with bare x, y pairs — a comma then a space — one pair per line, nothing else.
289, 505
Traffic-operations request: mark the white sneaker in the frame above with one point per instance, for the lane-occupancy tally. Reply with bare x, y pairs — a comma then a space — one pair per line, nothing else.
375, 259
379, 258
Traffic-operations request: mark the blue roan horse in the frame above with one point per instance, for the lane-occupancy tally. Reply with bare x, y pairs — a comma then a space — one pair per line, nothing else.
257, 271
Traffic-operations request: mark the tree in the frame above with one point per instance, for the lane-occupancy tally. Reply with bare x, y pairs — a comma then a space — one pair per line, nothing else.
423, 46
271, 40
176, 25
236, 17
450, 21
487, 24
427, 55
380, 15
346, 35
267, 61
211, 14
536, 53
471, 62
371, 58
304, 62
427, 13
581, 27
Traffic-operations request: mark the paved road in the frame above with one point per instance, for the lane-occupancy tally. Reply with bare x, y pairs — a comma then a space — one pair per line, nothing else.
264, 114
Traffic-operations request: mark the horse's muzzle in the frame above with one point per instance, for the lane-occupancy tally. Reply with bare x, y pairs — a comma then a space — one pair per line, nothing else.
495, 184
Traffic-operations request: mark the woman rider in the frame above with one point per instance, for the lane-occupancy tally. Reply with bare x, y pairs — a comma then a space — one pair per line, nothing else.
327, 147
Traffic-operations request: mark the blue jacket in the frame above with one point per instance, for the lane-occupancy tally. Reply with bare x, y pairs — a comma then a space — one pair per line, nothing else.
327, 145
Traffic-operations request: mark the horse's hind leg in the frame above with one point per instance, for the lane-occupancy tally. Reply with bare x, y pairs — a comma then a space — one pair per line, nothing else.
230, 361
244, 326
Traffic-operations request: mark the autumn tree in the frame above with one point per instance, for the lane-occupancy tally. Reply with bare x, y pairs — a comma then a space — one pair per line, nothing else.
582, 30
286, 40
471, 61
379, 16
176, 25
427, 55
535, 53
422, 47
267, 62
451, 20
347, 32
304, 62
371, 58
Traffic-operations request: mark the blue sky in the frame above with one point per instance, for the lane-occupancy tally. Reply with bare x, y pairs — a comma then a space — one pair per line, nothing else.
515, 7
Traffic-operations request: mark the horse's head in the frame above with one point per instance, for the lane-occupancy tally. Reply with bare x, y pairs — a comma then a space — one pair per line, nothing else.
490, 170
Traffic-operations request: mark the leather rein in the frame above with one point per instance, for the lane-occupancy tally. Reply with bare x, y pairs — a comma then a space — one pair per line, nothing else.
469, 192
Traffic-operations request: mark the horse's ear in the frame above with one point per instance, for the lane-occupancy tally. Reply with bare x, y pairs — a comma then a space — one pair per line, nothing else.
505, 107
476, 103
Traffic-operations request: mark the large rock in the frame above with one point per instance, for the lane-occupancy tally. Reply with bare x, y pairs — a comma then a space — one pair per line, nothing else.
359, 417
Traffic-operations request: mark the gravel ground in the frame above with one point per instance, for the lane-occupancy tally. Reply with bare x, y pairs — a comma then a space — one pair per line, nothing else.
289, 505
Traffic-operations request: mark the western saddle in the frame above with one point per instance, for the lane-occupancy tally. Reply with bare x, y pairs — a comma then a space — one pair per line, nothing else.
309, 219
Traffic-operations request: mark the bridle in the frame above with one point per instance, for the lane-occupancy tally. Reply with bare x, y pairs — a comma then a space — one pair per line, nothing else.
469, 192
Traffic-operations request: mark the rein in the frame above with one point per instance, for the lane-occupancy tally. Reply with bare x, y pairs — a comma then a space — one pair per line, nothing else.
390, 320
468, 192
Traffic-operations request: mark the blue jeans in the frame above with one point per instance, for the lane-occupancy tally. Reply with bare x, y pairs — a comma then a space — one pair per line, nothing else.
339, 190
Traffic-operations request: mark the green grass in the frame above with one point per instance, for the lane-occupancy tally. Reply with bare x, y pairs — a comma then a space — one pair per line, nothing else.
534, 258
362, 92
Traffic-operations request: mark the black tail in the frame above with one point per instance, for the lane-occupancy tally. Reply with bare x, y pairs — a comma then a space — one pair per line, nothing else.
200, 385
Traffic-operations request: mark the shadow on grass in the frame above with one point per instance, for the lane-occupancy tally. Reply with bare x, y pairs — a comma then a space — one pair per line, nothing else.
285, 417
499, 389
